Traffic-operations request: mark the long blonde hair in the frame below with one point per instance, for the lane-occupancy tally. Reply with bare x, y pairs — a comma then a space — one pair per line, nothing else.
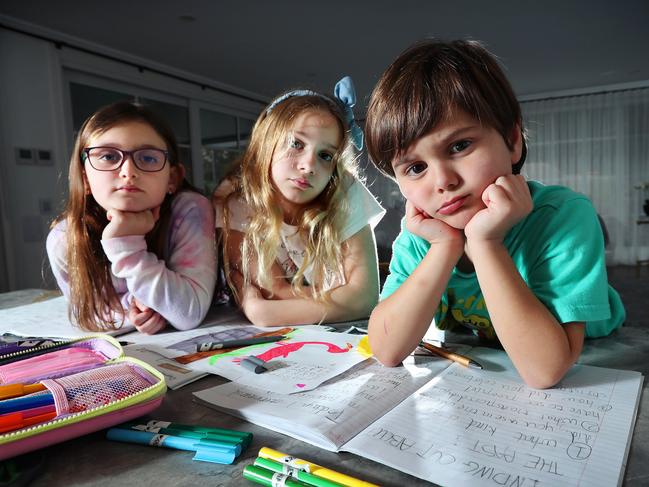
319, 223
93, 303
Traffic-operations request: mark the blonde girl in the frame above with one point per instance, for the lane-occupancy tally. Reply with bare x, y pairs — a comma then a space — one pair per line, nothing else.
135, 241
297, 222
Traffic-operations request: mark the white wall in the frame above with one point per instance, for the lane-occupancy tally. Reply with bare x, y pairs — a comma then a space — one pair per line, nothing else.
35, 113
30, 117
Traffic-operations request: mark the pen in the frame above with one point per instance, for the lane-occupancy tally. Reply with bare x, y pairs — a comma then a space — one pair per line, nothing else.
18, 420
447, 354
236, 443
269, 478
26, 402
301, 475
15, 390
156, 425
218, 453
314, 469
243, 342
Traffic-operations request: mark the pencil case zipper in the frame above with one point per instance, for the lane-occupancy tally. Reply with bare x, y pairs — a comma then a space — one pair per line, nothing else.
106, 338
152, 392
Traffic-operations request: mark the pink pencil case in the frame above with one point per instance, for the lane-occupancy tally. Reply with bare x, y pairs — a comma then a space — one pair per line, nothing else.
89, 383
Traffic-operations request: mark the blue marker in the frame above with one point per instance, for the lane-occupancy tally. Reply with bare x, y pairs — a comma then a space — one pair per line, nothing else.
26, 402
217, 453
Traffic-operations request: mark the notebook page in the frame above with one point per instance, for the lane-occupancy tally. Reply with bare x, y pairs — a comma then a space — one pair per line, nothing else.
334, 412
481, 428
48, 317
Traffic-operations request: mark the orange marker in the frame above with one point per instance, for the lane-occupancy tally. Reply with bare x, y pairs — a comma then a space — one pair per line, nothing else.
17, 390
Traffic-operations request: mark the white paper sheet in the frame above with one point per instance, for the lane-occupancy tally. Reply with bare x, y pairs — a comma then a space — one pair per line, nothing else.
303, 361
46, 318
334, 412
481, 428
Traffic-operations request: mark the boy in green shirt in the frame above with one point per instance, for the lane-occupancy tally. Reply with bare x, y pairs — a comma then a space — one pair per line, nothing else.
480, 246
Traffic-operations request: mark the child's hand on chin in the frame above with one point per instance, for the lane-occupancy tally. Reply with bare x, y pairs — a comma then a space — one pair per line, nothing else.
125, 223
507, 201
425, 226
144, 318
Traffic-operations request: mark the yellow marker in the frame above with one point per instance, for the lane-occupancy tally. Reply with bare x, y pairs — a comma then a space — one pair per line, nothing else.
314, 469
364, 347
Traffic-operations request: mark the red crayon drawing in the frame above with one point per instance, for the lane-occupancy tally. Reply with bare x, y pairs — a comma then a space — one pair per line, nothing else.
285, 349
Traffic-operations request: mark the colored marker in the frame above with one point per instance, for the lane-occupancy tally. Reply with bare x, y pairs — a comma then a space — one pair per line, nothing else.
243, 342
234, 442
269, 478
254, 364
26, 402
313, 468
22, 419
154, 425
285, 469
16, 390
219, 453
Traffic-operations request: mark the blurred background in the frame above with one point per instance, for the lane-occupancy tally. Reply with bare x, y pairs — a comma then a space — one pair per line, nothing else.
579, 68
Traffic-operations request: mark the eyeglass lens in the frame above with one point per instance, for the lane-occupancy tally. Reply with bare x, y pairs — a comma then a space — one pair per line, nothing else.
109, 158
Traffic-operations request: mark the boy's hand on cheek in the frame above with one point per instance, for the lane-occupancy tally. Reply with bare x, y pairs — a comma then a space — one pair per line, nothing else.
508, 201
125, 223
429, 228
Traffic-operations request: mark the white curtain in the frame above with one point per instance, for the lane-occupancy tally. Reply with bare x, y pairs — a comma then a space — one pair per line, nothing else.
597, 144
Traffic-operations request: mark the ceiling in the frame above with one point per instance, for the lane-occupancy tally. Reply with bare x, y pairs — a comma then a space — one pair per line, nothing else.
266, 46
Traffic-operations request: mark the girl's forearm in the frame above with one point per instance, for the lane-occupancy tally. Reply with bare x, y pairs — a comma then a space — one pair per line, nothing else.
345, 304
536, 342
398, 323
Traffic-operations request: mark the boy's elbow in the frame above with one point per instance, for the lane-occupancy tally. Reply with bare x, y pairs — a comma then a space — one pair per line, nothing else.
544, 379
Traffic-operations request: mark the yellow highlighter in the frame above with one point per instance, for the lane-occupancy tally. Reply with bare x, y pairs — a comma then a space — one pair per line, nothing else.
313, 469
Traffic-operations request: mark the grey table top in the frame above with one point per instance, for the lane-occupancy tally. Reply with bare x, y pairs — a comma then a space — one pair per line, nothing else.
92, 460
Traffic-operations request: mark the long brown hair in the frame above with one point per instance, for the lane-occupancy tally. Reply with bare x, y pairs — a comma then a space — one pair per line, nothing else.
319, 223
93, 302
425, 84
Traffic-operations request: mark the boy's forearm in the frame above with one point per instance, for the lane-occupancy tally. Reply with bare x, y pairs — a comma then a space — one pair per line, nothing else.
399, 322
535, 341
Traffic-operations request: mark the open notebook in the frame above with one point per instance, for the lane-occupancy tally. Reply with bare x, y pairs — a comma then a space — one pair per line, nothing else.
456, 426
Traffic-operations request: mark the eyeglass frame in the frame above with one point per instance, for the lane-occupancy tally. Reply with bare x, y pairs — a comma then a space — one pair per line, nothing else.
125, 154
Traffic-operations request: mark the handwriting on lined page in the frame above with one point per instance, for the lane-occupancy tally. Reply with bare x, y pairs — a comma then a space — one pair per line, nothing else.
483, 429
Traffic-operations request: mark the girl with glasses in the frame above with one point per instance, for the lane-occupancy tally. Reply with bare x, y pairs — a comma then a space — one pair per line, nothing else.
135, 240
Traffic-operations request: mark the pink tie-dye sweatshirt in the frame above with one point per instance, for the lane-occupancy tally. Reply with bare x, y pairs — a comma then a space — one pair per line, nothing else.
180, 288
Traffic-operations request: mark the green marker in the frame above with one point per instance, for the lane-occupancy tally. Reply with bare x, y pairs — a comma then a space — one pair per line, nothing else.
305, 477
269, 478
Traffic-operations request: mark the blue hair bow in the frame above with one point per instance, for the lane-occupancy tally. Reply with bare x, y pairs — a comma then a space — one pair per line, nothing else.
344, 91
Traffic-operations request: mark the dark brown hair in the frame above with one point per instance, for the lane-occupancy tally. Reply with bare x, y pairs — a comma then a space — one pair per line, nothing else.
425, 85
94, 303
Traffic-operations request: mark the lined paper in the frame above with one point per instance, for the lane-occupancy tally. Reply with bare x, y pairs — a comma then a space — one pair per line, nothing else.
334, 412
481, 428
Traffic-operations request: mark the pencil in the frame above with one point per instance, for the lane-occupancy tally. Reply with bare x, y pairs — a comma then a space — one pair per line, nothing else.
447, 354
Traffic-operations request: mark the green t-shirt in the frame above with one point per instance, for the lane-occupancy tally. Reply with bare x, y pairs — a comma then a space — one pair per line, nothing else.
558, 250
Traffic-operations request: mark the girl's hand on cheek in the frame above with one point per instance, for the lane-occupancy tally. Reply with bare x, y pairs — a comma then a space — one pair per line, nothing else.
429, 228
125, 223
508, 201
